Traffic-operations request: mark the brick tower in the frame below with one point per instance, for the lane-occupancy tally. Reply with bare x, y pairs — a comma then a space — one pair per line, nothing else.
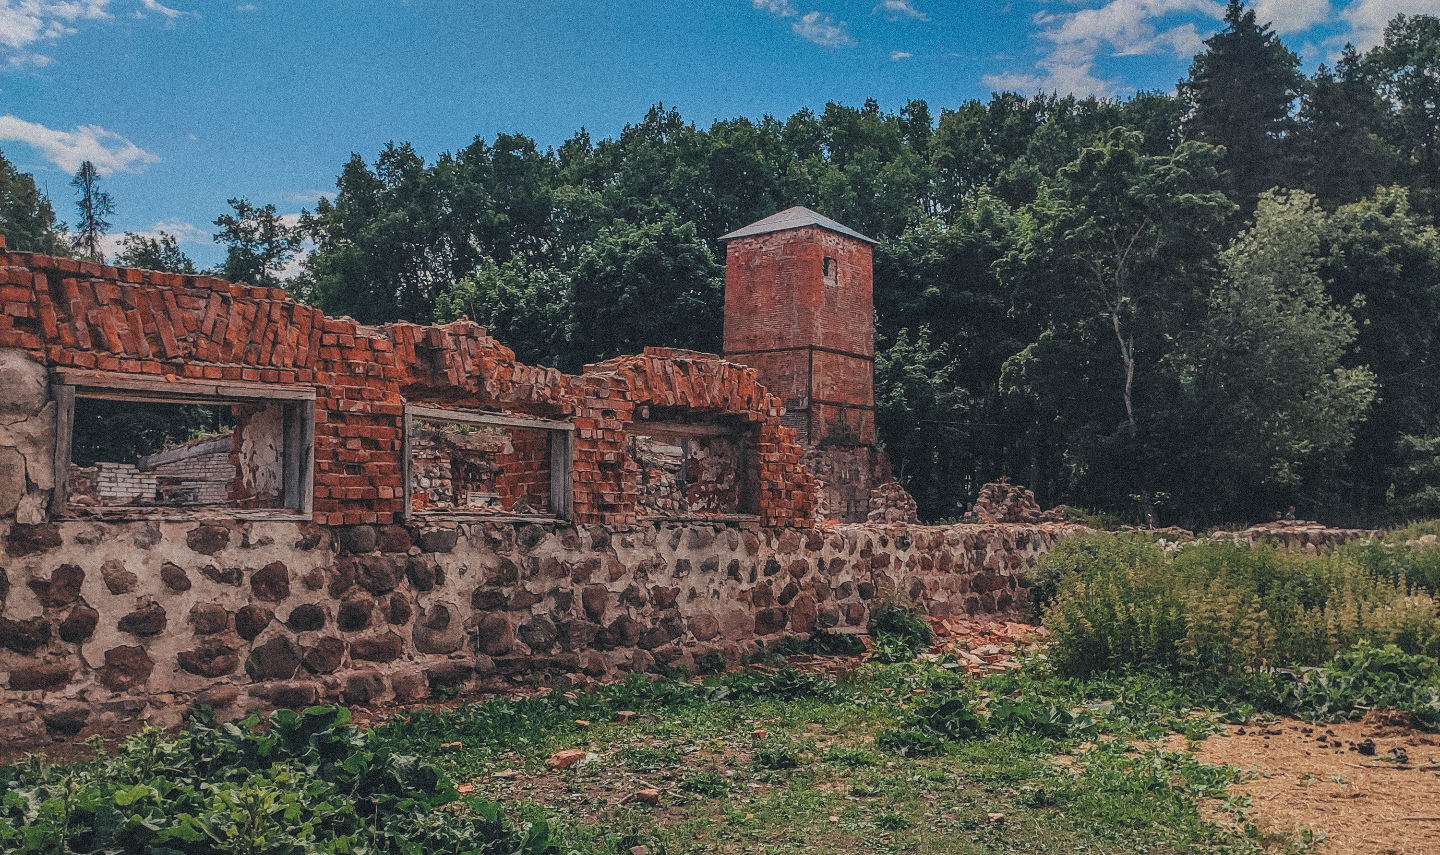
799, 308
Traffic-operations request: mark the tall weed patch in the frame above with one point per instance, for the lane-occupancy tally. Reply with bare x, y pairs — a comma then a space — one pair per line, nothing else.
1121, 602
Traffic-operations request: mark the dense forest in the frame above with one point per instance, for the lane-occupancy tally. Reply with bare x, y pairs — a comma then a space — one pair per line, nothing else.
1194, 307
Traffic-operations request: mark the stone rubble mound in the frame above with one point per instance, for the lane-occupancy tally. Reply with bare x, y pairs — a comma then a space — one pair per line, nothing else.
1003, 502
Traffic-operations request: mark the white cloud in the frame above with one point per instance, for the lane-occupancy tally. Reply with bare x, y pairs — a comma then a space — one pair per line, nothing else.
172, 14
24, 23
1118, 28
1367, 18
896, 10
1292, 16
822, 30
898, 55
109, 151
783, 8
246, 7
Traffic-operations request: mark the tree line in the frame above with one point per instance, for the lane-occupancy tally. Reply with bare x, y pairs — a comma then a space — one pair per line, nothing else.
1193, 307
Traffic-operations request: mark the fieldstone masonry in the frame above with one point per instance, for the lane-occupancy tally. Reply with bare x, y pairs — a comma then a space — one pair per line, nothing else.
138, 621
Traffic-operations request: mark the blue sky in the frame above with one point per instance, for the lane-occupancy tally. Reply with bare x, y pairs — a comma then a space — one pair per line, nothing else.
186, 103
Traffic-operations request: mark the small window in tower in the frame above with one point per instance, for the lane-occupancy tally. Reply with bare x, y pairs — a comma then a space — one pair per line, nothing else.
832, 271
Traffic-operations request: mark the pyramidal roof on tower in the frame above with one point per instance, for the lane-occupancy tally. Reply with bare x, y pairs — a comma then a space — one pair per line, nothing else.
797, 217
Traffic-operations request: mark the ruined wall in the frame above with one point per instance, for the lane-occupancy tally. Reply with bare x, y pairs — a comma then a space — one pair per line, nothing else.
64, 313
106, 625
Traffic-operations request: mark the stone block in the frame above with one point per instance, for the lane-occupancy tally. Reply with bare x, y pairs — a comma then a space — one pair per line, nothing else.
126, 668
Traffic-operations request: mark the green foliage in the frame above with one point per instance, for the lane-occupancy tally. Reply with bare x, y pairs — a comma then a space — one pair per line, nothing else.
526, 309
26, 217
1053, 262
899, 630
154, 253
94, 208
1270, 386
1073, 557
309, 783
1405, 70
1417, 478
920, 409
1225, 610
258, 244
1240, 90
122, 431
1380, 257
1358, 680
653, 284
708, 784
774, 755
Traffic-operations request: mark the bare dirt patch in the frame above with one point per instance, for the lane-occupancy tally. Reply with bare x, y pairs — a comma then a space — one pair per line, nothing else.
1385, 801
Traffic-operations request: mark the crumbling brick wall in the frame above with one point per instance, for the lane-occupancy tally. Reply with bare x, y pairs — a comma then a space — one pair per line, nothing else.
67, 313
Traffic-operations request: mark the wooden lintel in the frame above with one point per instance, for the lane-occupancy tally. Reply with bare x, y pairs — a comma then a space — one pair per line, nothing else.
682, 429
475, 417
127, 387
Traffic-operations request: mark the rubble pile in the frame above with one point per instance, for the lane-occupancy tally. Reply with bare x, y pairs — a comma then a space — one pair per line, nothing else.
1307, 535
890, 503
1003, 502
985, 646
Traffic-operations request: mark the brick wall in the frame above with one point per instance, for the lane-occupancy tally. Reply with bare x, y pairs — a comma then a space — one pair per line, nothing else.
72, 314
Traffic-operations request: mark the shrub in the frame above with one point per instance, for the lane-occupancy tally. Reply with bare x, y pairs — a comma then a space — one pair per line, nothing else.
1223, 609
308, 783
1355, 682
900, 631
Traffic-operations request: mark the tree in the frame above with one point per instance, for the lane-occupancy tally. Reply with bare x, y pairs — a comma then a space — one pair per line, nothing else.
654, 284
1416, 488
1275, 405
1380, 257
1241, 90
26, 218
161, 252
95, 206
259, 244
1119, 246
920, 415
1405, 68
1334, 152
528, 310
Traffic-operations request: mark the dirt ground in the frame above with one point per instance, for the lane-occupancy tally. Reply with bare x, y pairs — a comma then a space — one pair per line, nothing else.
1371, 787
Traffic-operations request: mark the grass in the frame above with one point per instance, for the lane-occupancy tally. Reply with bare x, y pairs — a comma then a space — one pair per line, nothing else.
904, 755
760, 762
1024, 762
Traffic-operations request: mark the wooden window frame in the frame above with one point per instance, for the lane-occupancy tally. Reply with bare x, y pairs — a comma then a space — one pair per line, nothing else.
562, 458
298, 454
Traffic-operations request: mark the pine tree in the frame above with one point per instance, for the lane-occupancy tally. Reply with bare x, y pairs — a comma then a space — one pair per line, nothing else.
1241, 90
95, 206
1334, 151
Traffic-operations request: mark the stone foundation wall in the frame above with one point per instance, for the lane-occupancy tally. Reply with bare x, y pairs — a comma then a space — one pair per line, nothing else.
104, 626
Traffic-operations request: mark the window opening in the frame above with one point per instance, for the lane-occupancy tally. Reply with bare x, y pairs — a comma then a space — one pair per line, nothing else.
129, 445
692, 470
475, 463
832, 271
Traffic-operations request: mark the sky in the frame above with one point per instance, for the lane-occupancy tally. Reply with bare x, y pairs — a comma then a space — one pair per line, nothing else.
185, 104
